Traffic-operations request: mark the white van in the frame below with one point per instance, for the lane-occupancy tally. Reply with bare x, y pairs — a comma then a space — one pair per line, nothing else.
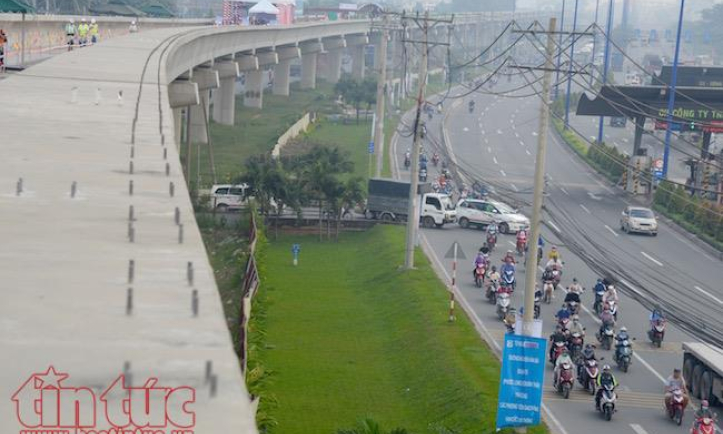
226, 197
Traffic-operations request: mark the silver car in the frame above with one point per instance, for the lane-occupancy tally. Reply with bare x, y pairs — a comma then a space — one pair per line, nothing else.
639, 219
480, 213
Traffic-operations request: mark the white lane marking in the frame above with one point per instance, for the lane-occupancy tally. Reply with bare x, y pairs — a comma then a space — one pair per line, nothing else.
593, 196
607, 136
626, 140
483, 131
522, 143
564, 191
465, 129
585, 209
499, 131
534, 134
503, 173
540, 268
528, 152
553, 226
489, 149
513, 126
486, 140
495, 160
660, 264
638, 429
611, 231
511, 243
554, 420
514, 187
718, 300
517, 135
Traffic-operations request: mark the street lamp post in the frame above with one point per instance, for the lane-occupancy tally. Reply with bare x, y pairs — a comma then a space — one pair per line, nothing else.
569, 68
608, 31
671, 93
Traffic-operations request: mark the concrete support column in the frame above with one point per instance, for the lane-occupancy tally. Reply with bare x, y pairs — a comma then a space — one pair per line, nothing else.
224, 101
199, 117
357, 53
281, 77
254, 95
333, 65
177, 124
308, 70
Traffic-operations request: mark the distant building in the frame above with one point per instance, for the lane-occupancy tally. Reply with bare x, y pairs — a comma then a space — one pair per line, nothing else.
238, 12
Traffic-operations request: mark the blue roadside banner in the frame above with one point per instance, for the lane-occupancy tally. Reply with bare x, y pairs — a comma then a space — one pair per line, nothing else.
521, 379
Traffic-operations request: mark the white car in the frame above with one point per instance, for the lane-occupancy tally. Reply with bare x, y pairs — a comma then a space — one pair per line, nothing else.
480, 213
639, 219
226, 197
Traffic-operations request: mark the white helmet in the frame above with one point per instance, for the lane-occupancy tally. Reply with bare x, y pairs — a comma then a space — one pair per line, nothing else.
71, 21
623, 329
610, 287
82, 20
92, 20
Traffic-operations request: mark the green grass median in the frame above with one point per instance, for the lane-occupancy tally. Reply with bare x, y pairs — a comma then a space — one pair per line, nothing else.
347, 335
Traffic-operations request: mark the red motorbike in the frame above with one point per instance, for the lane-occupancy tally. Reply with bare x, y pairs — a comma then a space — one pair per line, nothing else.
556, 275
565, 379
675, 406
588, 375
703, 426
575, 345
479, 274
491, 241
557, 349
521, 246
657, 333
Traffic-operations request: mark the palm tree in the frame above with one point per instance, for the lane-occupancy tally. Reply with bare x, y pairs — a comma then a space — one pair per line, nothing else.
344, 196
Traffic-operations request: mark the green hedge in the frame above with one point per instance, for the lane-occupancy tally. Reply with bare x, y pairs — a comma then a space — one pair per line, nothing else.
605, 159
696, 215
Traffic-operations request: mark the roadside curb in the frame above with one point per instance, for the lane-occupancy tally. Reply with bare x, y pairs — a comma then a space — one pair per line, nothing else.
690, 236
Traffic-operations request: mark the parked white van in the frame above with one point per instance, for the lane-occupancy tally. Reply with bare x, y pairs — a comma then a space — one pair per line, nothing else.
226, 197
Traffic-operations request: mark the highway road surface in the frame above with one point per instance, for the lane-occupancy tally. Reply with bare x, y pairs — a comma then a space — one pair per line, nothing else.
497, 143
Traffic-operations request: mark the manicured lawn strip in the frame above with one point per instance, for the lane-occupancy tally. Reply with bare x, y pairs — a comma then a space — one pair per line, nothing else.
347, 335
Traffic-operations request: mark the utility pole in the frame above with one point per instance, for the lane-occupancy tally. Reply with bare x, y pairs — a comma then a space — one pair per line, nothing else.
559, 51
594, 43
412, 217
671, 94
569, 69
606, 62
381, 96
530, 272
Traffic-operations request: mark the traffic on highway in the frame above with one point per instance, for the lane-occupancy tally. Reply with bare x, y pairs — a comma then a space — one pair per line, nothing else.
624, 310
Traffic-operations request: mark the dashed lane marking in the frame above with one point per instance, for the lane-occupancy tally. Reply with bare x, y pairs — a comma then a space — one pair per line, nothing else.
611, 230
585, 209
503, 173
655, 261
703, 291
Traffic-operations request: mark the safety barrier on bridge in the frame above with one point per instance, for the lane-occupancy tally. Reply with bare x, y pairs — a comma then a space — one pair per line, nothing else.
250, 284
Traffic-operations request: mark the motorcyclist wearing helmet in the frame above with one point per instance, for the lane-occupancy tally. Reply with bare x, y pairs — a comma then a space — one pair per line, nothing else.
606, 377
563, 313
703, 412
575, 287
522, 237
509, 257
620, 339
510, 320
562, 359
554, 255
492, 229
493, 275
610, 294
606, 317
676, 382
599, 287
557, 336
587, 353
575, 325
547, 275
656, 316
479, 261
572, 296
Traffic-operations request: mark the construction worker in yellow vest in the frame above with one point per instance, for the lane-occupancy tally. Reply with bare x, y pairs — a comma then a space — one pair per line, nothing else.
93, 31
83, 29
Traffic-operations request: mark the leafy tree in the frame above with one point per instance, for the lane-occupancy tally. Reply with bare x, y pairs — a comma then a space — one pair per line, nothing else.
356, 93
342, 196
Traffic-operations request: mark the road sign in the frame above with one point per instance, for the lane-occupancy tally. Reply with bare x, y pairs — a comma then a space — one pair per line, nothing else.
658, 174
658, 163
371, 147
521, 380
295, 249
450, 252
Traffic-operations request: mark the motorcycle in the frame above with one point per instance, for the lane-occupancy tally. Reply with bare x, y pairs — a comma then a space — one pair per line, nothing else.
606, 337
423, 175
435, 160
624, 355
565, 324
521, 246
565, 379
508, 279
537, 305
575, 345
705, 425
407, 161
675, 406
491, 241
573, 307
613, 307
492, 291
548, 289
503, 302
556, 276
479, 274
657, 333
598, 305
557, 349
471, 107
607, 401
588, 375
